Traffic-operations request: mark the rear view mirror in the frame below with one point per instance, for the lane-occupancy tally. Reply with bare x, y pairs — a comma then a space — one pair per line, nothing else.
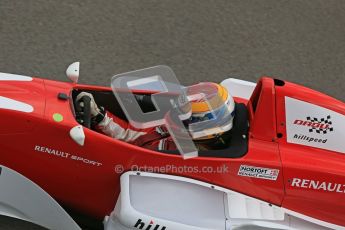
72, 72
77, 134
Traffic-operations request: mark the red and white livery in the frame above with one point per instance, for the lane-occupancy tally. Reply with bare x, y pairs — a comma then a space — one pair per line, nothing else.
284, 167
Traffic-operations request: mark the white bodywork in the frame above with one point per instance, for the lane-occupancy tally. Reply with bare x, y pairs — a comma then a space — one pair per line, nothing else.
10, 104
239, 88
78, 135
312, 125
151, 201
13, 77
22, 199
72, 72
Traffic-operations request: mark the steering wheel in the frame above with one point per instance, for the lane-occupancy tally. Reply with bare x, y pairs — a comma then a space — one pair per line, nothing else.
84, 111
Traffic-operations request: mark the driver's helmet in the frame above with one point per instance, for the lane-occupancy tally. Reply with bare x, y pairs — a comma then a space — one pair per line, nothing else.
213, 110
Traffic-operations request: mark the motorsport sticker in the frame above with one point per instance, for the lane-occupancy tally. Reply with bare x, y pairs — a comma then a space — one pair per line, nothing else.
57, 117
312, 125
258, 172
320, 126
318, 185
61, 154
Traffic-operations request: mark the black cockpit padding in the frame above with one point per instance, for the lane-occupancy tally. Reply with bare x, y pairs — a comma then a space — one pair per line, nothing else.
108, 100
238, 137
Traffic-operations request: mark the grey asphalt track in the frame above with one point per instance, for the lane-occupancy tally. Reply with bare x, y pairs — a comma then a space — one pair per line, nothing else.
299, 41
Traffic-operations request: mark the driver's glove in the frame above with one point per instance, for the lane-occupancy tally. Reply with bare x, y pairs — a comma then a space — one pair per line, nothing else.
97, 113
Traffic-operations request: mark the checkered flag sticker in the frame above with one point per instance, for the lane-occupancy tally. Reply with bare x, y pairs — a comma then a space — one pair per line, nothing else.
325, 125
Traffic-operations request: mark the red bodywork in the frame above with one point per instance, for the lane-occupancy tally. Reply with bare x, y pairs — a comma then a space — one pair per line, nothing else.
92, 186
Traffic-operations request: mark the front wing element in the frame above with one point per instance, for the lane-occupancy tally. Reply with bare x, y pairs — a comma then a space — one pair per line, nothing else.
23, 199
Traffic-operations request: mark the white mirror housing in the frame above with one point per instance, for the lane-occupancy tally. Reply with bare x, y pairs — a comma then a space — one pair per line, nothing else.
72, 71
77, 134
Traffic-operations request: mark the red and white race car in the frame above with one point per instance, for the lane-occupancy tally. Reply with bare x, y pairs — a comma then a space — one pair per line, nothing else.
285, 170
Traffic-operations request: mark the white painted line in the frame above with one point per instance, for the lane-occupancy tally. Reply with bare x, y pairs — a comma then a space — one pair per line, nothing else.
8, 103
13, 77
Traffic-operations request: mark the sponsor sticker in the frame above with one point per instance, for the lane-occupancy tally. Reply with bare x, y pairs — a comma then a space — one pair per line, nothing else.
57, 117
140, 224
317, 125
258, 172
65, 155
318, 185
312, 125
